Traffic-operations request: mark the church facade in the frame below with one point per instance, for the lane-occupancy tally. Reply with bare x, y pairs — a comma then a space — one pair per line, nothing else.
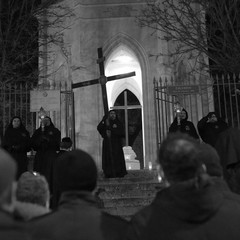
111, 25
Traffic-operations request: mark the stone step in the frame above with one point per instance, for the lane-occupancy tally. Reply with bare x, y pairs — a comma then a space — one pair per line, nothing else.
125, 196
127, 187
127, 202
139, 192
125, 212
143, 175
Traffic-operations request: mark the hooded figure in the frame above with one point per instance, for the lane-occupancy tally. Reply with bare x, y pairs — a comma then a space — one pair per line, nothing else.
16, 141
181, 124
45, 141
112, 132
210, 126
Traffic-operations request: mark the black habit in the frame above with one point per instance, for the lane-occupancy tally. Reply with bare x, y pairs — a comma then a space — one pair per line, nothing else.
113, 162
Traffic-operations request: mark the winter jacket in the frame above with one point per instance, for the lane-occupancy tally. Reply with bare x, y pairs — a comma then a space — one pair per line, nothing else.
187, 211
78, 218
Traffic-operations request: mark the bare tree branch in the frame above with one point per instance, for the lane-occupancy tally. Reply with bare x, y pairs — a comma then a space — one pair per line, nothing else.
197, 29
25, 35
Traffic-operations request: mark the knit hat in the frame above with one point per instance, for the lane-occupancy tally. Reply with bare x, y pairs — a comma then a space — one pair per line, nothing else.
209, 156
7, 170
76, 170
32, 188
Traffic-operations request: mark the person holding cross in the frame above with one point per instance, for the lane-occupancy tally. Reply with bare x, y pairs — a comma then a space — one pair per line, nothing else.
112, 132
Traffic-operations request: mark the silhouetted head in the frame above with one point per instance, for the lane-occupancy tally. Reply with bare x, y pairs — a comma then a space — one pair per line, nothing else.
66, 143
178, 157
33, 188
76, 171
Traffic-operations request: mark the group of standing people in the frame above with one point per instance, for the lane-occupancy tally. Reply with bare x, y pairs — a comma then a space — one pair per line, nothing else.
45, 141
209, 127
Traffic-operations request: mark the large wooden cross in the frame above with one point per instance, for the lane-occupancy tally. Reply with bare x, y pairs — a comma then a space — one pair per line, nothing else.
102, 80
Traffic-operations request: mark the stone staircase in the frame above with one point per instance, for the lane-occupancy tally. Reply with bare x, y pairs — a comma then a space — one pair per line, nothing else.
125, 196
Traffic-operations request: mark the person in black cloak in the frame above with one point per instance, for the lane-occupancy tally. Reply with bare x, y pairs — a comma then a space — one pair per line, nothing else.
16, 141
112, 132
228, 149
210, 126
45, 141
181, 124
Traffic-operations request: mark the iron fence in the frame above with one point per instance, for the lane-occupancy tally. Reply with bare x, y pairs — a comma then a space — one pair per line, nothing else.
15, 101
220, 93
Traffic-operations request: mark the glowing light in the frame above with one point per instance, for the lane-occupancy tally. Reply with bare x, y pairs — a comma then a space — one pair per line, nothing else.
159, 178
150, 165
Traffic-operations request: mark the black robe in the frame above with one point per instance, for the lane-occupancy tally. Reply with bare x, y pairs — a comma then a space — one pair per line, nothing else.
46, 144
56, 193
228, 149
113, 162
209, 132
17, 142
185, 126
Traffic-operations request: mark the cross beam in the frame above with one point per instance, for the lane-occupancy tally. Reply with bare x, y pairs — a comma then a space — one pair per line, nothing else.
102, 80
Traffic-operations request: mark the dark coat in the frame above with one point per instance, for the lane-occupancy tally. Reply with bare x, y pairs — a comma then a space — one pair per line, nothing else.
228, 148
46, 144
24, 211
11, 229
209, 132
185, 212
17, 142
113, 161
56, 193
184, 127
78, 218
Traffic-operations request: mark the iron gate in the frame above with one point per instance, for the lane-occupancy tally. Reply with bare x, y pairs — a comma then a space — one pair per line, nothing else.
219, 93
15, 101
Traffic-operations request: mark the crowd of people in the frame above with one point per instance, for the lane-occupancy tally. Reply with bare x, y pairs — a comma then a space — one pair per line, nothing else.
197, 200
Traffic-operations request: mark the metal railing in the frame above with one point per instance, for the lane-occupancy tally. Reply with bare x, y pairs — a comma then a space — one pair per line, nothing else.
219, 93
15, 101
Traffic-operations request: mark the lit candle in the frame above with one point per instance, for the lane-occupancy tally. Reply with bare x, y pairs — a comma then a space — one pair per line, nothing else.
150, 165
159, 178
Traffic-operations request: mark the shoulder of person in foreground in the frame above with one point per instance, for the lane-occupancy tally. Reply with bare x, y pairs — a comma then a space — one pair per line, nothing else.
113, 227
138, 222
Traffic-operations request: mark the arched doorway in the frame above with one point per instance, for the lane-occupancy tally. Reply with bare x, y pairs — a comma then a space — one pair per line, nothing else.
123, 60
129, 112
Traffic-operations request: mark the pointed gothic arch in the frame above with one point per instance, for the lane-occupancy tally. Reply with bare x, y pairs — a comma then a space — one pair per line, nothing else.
132, 46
